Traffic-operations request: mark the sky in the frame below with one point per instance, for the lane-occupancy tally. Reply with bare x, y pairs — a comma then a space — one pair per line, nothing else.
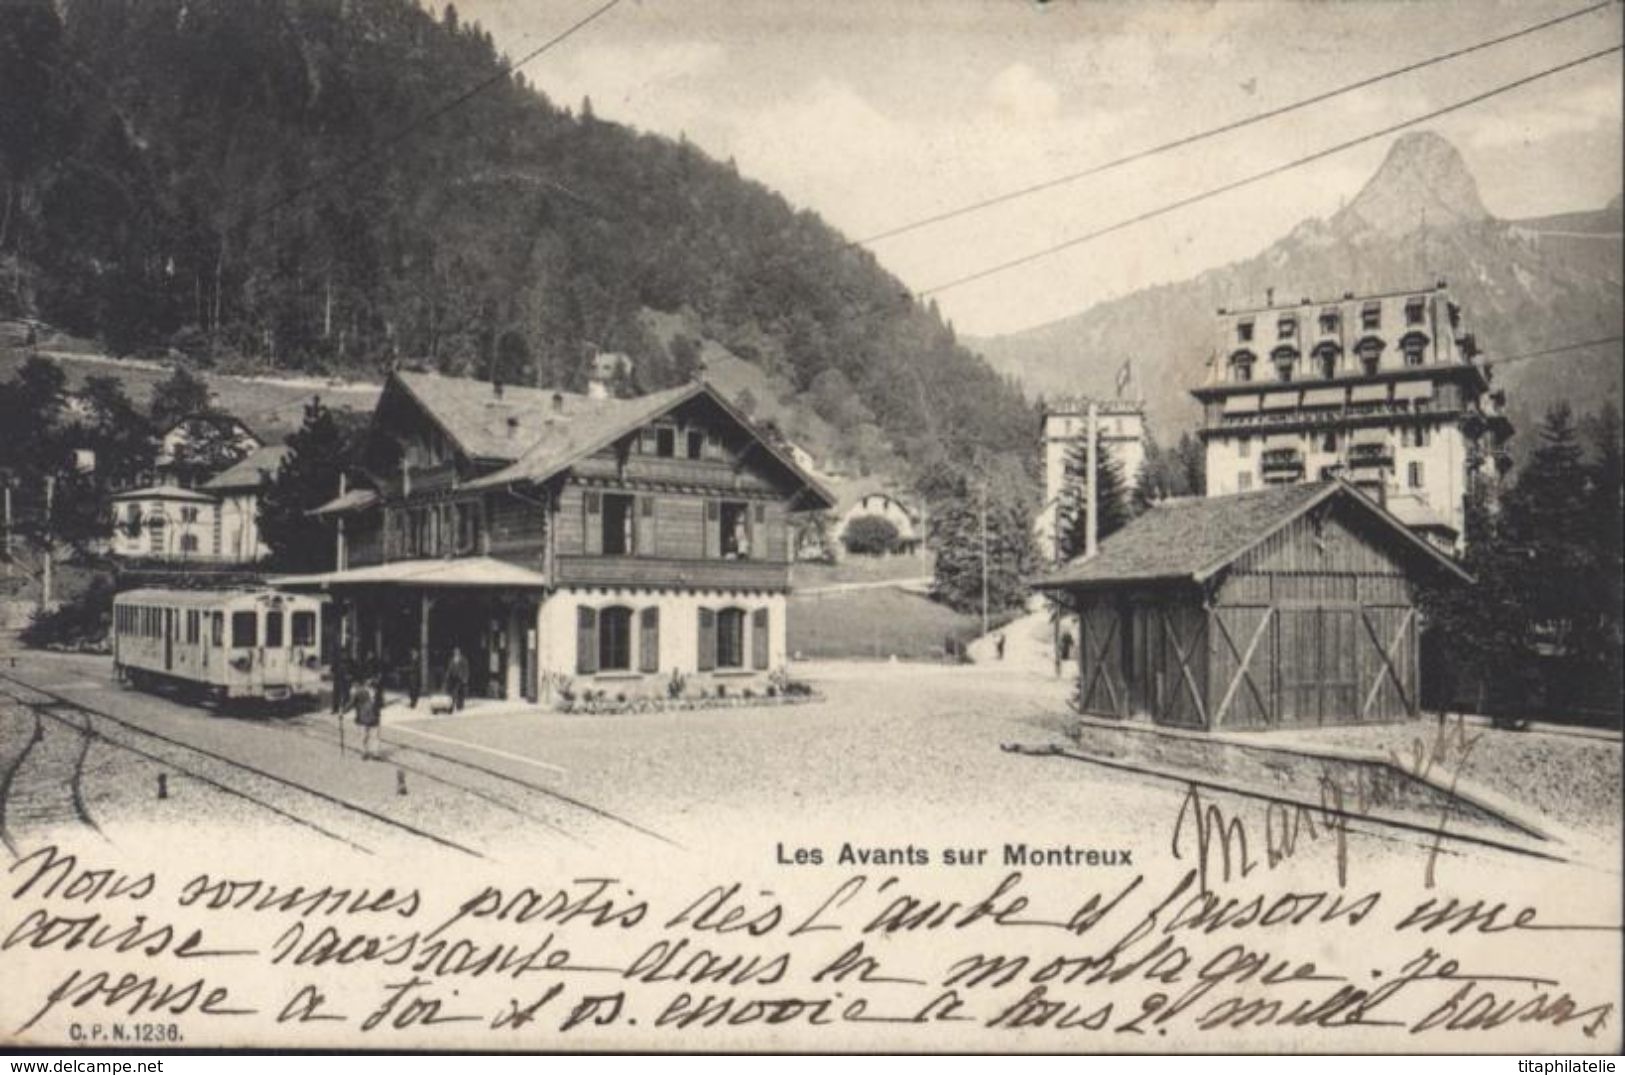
875, 113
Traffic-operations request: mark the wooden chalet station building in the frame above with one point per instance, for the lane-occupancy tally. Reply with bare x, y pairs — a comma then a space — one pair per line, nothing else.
566, 541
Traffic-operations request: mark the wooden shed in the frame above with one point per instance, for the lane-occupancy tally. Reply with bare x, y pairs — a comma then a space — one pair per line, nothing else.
1292, 606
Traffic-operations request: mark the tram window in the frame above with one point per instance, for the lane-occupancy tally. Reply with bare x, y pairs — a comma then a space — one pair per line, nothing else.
304, 628
217, 628
244, 628
273, 629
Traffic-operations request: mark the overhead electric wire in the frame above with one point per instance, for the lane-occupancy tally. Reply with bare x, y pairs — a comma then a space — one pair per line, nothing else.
407, 129
1213, 192
1491, 360
1235, 125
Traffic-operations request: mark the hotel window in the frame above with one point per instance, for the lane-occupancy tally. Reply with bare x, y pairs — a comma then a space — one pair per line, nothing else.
1328, 442
189, 514
1244, 331
1413, 352
1244, 481
1413, 475
1370, 357
1285, 363
731, 638
1414, 312
1371, 315
1329, 320
188, 543
1326, 357
1415, 437
1241, 366
1286, 328
1244, 447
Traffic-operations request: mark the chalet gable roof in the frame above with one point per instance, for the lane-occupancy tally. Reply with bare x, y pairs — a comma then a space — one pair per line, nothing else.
1194, 538
540, 432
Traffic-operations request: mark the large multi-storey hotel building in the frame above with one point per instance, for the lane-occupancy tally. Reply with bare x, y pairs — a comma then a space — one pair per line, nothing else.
1385, 391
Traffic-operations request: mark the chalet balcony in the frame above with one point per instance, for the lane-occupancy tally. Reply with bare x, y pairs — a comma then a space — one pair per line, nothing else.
1282, 463
647, 571
1364, 456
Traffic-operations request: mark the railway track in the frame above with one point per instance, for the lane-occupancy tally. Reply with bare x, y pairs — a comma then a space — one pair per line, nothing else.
482, 799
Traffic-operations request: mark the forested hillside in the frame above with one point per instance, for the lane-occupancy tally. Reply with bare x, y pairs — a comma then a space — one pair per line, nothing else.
242, 181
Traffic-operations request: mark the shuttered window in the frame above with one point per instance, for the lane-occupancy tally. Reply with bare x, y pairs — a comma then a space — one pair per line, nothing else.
646, 526
730, 638
649, 640
713, 529
586, 640
615, 640
758, 639
708, 640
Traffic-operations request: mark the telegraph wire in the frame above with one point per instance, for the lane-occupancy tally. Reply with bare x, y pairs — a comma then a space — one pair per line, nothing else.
1268, 173
1561, 349
1235, 125
410, 127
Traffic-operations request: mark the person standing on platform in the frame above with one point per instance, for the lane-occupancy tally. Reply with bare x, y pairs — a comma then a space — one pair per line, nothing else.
341, 682
414, 677
457, 679
367, 701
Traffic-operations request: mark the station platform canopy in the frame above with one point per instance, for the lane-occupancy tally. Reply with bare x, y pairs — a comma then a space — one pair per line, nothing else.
466, 573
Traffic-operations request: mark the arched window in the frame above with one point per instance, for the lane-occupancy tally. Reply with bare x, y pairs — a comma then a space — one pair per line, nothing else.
1370, 352
615, 639
731, 638
1286, 362
1414, 346
1241, 366
1327, 356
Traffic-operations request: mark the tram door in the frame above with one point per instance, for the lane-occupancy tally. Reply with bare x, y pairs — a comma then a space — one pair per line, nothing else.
274, 654
169, 639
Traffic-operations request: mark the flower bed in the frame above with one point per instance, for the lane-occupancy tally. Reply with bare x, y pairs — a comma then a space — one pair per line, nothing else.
651, 704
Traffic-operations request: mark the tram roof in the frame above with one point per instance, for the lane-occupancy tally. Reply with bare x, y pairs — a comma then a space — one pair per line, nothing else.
197, 598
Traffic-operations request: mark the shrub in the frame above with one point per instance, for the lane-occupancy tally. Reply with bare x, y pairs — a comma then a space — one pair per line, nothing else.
870, 535
81, 623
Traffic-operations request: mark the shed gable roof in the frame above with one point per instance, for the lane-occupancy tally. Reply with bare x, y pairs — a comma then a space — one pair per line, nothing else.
1194, 538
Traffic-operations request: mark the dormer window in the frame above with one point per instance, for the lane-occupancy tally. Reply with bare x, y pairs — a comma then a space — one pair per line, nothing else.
1371, 315
1244, 331
1329, 320
1414, 346
1241, 366
696, 444
1286, 328
1414, 312
665, 442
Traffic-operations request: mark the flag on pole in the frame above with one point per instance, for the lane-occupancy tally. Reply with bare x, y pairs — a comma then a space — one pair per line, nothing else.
1122, 378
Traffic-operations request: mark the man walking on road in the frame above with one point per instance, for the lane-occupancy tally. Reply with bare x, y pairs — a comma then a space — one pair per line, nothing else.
368, 703
414, 677
457, 678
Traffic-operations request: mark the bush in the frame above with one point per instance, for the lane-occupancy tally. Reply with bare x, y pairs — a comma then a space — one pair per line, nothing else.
82, 623
870, 535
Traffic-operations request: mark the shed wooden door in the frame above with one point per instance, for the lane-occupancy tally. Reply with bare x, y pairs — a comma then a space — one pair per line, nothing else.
1387, 663
1242, 672
1102, 687
1317, 658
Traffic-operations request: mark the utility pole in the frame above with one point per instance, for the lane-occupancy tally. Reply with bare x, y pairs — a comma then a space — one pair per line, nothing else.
45, 586
1093, 532
984, 555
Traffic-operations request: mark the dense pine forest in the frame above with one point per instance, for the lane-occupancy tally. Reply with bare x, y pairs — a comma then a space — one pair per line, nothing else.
246, 183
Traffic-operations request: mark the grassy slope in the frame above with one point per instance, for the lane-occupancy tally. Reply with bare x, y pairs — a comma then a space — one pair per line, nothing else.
874, 625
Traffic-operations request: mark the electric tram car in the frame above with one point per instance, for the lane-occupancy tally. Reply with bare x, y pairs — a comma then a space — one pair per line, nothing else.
223, 645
